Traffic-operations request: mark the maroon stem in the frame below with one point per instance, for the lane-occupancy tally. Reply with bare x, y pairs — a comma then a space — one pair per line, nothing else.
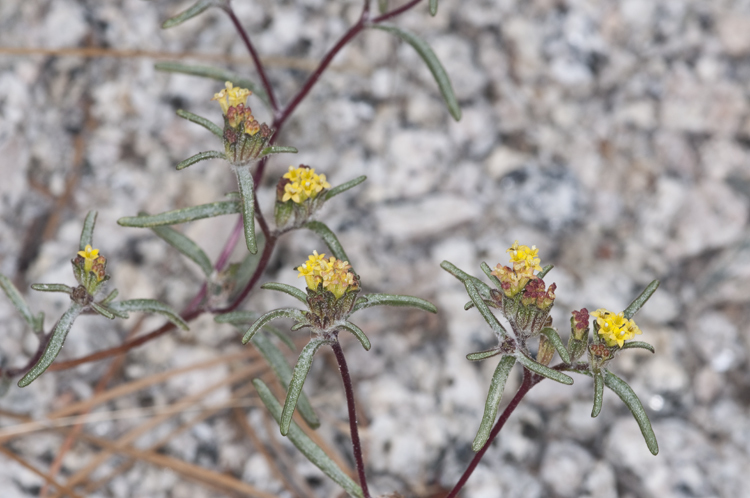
258, 64
395, 12
529, 381
356, 444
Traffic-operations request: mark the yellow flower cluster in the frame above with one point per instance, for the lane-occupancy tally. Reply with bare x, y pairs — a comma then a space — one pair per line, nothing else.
525, 261
615, 329
303, 184
231, 96
333, 273
89, 255
92, 262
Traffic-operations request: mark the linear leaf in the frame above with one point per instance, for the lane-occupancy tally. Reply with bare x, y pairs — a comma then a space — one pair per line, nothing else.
484, 289
287, 289
329, 238
394, 300
292, 313
433, 7
488, 271
200, 156
87, 234
554, 338
149, 306
200, 120
185, 246
312, 451
495, 394
638, 345
630, 399
215, 73
278, 149
242, 319
544, 371
298, 380
485, 310
283, 370
358, 333
545, 271
429, 57
598, 394
54, 346
483, 355
181, 215
344, 187
52, 288
196, 9
247, 194
639, 301
17, 299
382, 6
110, 297
102, 310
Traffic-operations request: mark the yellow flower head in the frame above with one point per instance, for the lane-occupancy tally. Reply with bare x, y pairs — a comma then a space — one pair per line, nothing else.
615, 329
311, 270
89, 255
231, 96
333, 273
303, 184
513, 281
524, 257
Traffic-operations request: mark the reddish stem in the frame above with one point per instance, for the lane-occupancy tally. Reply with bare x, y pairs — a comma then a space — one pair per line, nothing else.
356, 444
395, 12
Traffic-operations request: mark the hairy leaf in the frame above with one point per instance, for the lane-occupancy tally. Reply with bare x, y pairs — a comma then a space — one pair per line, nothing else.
278, 149
554, 338
287, 289
598, 394
545, 271
344, 187
638, 345
103, 310
247, 193
626, 394
53, 288
200, 156
149, 306
20, 303
329, 238
87, 234
639, 301
196, 9
181, 215
394, 300
200, 120
543, 370
298, 380
433, 7
358, 333
491, 319
495, 394
483, 355
185, 246
292, 313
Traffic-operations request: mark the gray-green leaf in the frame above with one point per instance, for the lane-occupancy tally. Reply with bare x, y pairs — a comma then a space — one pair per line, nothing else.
20, 303
639, 301
554, 339
543, 370
185, 246
292, 313
247, 194
103, 310
429, 57
54, 346
329, 238
483, 355
488, 271
52, 288
344, 187
433, 7
200, 156
200, 120
287, 289
298, 380
87, 234
358, 333
638, 345
194, 10
181, 215
394, 300
545, 271
149, 306
278, 149
598, 394
484, 289
308, 448
630, 399
495, 394
491, 319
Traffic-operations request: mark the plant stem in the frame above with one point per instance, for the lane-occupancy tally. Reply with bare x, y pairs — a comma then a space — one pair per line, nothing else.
356, 445
258, 64
528, 382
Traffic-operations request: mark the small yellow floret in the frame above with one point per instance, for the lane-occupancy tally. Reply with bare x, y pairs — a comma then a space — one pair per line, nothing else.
333, 273
524, 257
614, 328
89, 254
305, 184
311, 270
231, 96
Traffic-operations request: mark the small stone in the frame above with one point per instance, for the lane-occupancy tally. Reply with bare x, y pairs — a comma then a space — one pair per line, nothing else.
431, 216
564, 467
734, 33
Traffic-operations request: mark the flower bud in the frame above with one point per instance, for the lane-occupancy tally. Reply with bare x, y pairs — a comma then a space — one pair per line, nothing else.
546, 351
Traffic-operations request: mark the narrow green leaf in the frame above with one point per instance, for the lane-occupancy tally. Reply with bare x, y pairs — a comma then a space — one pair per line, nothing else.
429, 57
298, 380
488, 271
54, 346
329, 238
181, 215
495, 394
52, 288
287, 289
394, 300
483, 355
292, 313
196, 9
200, 120
200, 156
630, 399
344, 187
278, 149
110, 297
87, 234
382, 6
545, 271
484, 289
5, 382
216, 74
638, 345
639, 301
308, 448
237, 317
102, 310
149, 306
358, 333
485, 310
598, 394
247, 193
554, 338
283, 371
433, 7
17, 299
542, 370
185, 246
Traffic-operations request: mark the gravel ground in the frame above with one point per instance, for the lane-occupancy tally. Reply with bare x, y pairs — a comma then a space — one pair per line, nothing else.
613, 135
